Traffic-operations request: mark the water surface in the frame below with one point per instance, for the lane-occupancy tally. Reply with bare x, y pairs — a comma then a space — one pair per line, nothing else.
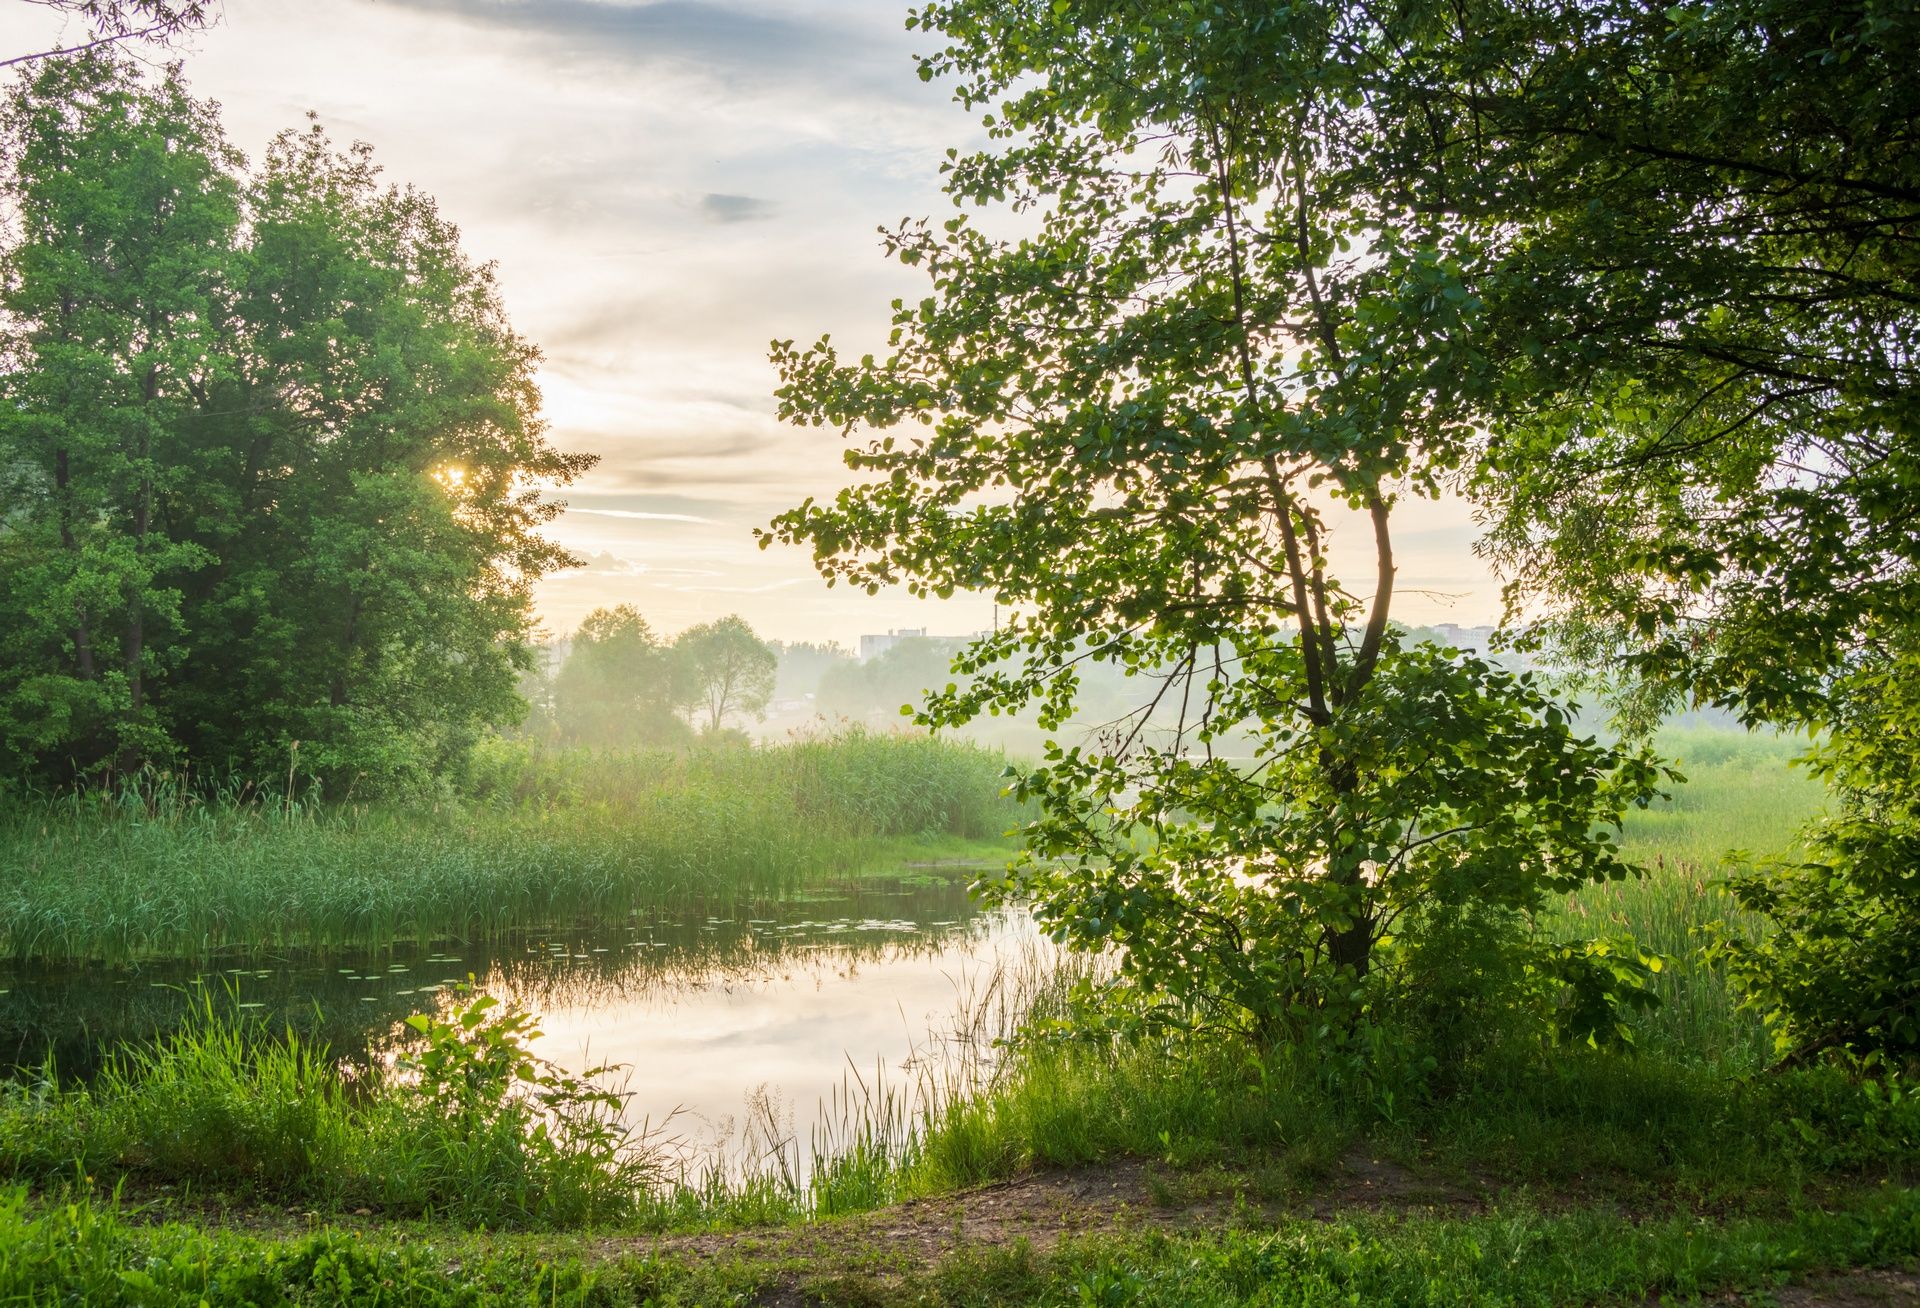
741, 1025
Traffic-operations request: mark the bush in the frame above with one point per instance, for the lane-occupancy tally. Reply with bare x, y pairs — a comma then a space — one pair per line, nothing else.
479, 1128
1839, 969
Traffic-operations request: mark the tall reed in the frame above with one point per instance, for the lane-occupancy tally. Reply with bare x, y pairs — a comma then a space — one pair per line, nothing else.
539, 840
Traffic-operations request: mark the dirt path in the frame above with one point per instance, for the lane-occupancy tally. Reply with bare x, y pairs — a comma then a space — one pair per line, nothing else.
1129, 1196
1876, 1288
1041, 1210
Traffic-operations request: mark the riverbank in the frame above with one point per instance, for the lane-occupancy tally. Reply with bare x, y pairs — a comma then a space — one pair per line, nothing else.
529, 839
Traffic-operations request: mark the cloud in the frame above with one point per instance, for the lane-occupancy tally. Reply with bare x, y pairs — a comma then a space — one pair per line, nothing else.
604, 564
719, 208
782, 584
640, 516
740, 44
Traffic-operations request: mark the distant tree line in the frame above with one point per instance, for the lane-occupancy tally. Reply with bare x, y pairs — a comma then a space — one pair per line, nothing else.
271, 455
620, 684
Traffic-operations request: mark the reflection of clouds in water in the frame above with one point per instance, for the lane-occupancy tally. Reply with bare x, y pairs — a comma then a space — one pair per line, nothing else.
806, 1034
741, 1027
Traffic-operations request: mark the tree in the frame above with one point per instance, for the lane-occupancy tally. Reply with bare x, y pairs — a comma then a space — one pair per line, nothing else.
1137, 427
116, 22
272, 452
1691, 231
618, 684
898, 678
115, 293
384, 447
805, 664
725, 670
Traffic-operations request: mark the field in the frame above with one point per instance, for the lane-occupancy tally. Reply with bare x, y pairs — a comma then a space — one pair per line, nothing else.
226, 1165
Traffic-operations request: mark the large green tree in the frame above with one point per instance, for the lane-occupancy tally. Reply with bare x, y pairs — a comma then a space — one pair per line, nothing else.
273, 455
1693, 237
115, 290
1135, 414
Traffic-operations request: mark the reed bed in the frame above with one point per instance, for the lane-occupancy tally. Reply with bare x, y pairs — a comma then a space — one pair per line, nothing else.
536, 839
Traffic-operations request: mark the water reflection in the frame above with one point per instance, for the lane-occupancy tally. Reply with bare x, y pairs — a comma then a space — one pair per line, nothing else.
737, 1021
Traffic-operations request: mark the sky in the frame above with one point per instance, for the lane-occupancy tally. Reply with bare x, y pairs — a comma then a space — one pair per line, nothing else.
667, 186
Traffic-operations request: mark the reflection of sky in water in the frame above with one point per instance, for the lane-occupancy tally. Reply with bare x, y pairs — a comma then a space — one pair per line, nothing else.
711, 1010
801, 1026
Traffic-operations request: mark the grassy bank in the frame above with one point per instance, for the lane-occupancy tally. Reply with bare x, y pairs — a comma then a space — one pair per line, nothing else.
538, 839
1518, 1254
1555, 1175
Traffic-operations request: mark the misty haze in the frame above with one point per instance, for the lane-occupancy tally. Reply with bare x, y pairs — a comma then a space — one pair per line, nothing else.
996, 652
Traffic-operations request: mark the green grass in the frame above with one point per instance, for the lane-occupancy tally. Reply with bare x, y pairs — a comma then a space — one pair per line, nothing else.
1518, 1254
543, 840
1742, 803
220, 1105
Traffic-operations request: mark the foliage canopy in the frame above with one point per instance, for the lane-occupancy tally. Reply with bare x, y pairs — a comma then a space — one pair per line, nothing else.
270, 457
1693, 229
1135, 410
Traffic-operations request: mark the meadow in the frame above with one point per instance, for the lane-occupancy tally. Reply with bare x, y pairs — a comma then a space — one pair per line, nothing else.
1541, 1174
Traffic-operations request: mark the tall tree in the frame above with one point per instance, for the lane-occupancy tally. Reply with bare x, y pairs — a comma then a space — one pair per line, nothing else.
384, 447
275, 454
725, 670
115, 291
1137, 426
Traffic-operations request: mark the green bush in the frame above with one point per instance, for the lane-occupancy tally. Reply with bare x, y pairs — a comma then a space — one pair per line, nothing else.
476, 1127
1838, 971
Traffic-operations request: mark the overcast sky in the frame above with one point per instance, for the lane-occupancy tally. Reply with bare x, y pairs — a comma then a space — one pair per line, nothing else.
667, 185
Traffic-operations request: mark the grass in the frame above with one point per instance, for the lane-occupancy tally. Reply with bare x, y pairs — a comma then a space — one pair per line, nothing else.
98, 1252
544, 840
1679, 1170
482, 1136
1742, 803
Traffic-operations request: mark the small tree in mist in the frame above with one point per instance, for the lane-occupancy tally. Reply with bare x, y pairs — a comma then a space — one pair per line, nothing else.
618, 683
898, 678
1138, 427
724, 671
806, 665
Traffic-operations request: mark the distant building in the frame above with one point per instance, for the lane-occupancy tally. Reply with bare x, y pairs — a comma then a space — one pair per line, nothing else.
1473, 640
872, 647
